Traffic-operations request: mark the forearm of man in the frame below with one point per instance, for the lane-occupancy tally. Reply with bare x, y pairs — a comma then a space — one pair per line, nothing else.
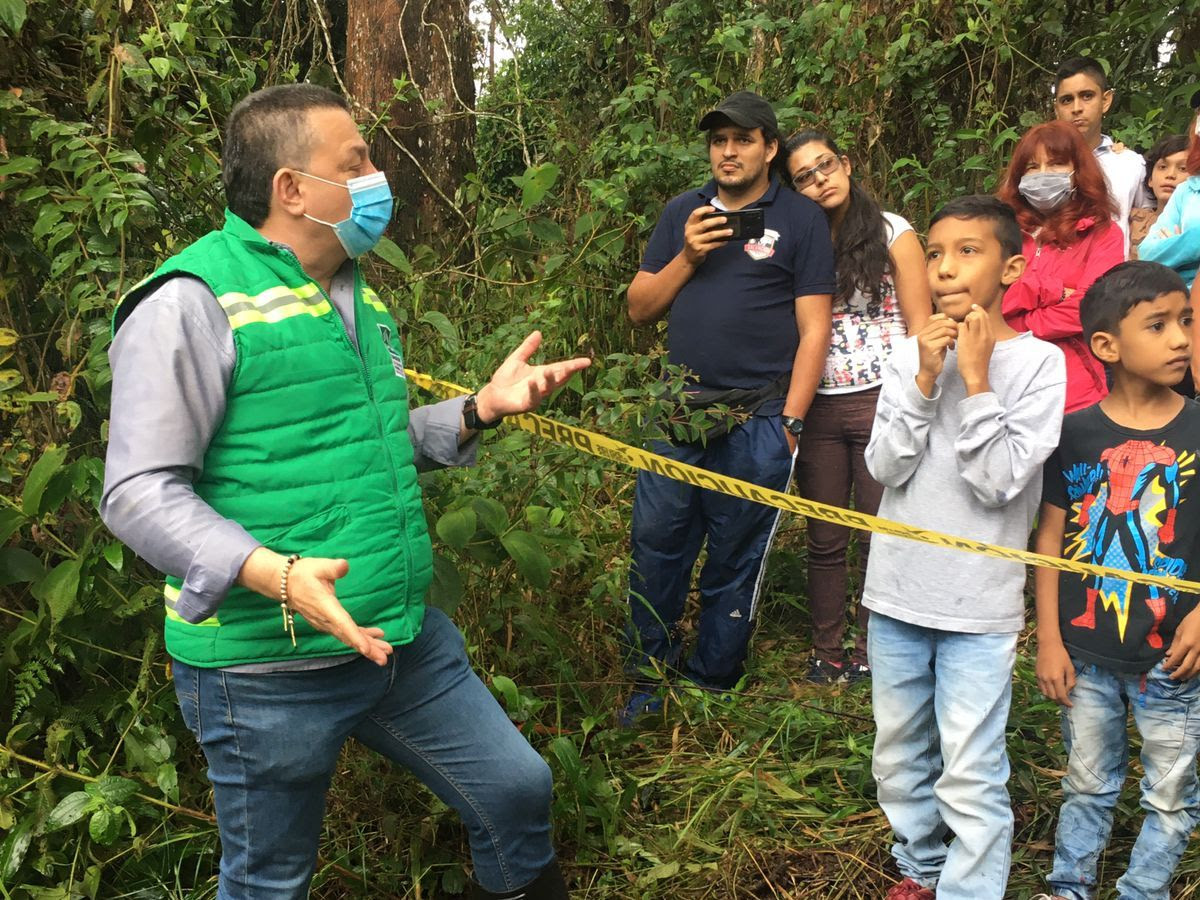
651, 294
814, 319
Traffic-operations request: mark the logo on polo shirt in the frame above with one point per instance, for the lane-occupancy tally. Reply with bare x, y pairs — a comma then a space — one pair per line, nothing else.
763, 247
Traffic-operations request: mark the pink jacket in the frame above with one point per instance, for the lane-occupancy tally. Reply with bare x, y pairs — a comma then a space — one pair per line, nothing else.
1045, 300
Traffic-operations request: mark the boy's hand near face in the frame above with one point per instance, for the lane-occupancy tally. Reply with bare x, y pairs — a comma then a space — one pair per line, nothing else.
1183, 656
933, 340
975, 343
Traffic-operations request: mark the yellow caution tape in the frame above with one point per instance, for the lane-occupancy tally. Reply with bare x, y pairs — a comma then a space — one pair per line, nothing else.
607, 448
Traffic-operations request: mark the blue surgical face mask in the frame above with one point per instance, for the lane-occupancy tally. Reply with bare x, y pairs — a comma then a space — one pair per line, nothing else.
370, 212
1046, 191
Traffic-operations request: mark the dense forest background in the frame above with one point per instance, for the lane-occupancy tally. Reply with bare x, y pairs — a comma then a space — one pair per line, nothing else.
531, 155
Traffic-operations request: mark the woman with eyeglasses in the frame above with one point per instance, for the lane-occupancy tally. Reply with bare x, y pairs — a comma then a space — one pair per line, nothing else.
1061, 199
882, 296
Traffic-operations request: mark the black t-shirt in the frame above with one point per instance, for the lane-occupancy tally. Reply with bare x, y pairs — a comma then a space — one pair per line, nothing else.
734, 322
1133, 502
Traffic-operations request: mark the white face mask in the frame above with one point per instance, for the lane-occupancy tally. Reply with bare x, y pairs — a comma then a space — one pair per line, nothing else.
1045, 191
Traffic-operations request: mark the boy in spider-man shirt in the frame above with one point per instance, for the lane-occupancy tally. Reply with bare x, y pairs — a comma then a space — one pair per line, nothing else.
1122, 491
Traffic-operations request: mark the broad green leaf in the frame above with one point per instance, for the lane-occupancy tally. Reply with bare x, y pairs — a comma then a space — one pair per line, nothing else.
9, 378
39, 476
393, 256
443, 326
18, 566
491, 513
547, 231
59, 588
507, 688
12, 15
659, 872
105, 825
8, 337
10, 520
536, 181
167, 780
116, 789
161, 66
18, 165
114, 554
457, 527
529, 556
446, 589
70, 810
71, 411
12, 851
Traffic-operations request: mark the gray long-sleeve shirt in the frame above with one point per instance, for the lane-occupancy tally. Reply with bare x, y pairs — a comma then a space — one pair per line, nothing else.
172, 361
966, 466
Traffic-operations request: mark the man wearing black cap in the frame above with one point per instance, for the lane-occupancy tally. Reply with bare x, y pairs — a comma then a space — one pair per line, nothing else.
750, 319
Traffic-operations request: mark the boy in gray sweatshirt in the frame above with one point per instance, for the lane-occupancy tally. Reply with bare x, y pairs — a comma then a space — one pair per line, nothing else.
968, 413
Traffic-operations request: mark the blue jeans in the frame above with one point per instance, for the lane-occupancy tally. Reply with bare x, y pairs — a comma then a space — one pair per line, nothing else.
671, 519
940, 700
1167, 716
272, 740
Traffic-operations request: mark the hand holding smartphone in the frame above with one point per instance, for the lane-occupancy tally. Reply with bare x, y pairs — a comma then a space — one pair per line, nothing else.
745, 223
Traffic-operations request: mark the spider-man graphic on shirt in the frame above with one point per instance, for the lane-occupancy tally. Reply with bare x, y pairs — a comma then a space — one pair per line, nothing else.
1125, 507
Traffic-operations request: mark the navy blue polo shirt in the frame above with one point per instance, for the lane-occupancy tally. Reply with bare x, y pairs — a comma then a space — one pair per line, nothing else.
734, 323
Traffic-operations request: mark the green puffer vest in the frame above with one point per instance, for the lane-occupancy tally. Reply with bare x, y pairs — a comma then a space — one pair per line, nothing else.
313, 455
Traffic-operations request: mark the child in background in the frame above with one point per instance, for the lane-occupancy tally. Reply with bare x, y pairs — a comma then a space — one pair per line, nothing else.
1113, 490
969, 411
1081, 98
1175, 238
882, 297
1166, 169
1057, 190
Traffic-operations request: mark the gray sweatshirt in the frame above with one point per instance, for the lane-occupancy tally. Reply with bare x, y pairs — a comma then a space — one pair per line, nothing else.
172, 361
967, 466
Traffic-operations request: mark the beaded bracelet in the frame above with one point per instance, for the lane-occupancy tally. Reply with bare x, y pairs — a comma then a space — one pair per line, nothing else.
289, 620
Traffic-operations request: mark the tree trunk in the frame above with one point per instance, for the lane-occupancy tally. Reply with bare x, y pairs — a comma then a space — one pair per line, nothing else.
432, 44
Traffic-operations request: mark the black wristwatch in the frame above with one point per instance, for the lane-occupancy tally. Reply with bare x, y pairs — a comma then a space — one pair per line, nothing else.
470, 414
793, 425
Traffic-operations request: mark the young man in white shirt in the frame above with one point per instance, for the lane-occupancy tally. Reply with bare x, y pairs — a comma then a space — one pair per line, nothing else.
1081, 98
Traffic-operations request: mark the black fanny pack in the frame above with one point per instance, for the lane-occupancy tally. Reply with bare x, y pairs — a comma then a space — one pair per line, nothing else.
741, 402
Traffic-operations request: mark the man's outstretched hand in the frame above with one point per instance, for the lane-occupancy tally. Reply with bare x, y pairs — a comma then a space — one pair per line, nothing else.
311, 590
518, 387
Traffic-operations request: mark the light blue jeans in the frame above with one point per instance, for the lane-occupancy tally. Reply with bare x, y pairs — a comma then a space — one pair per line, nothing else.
941, 700
1167, 716
272, 741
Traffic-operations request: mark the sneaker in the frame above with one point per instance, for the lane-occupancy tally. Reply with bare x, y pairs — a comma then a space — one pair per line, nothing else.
1047, 897
822, 671
641, 703
910, 890
856, 672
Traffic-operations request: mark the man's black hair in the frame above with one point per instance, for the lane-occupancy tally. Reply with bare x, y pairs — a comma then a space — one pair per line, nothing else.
1168, 146
267, 130
1120, 289
992, 209
1081, 65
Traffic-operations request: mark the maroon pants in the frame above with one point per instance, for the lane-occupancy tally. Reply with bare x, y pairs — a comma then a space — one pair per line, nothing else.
830, 469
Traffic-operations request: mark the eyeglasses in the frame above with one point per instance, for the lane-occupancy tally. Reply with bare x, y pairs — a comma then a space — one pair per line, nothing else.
803, 179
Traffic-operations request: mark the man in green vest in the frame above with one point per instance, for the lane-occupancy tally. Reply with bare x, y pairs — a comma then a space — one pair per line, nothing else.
263, 456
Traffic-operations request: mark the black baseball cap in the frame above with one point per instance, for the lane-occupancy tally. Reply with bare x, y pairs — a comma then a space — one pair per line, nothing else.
743, 108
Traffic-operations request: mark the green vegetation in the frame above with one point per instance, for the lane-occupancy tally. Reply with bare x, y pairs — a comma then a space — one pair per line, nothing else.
110, 113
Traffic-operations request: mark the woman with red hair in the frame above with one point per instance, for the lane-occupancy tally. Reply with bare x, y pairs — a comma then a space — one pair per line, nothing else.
1059, 194
1174, 239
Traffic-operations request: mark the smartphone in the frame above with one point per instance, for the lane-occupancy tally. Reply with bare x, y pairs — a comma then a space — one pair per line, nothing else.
746, 223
